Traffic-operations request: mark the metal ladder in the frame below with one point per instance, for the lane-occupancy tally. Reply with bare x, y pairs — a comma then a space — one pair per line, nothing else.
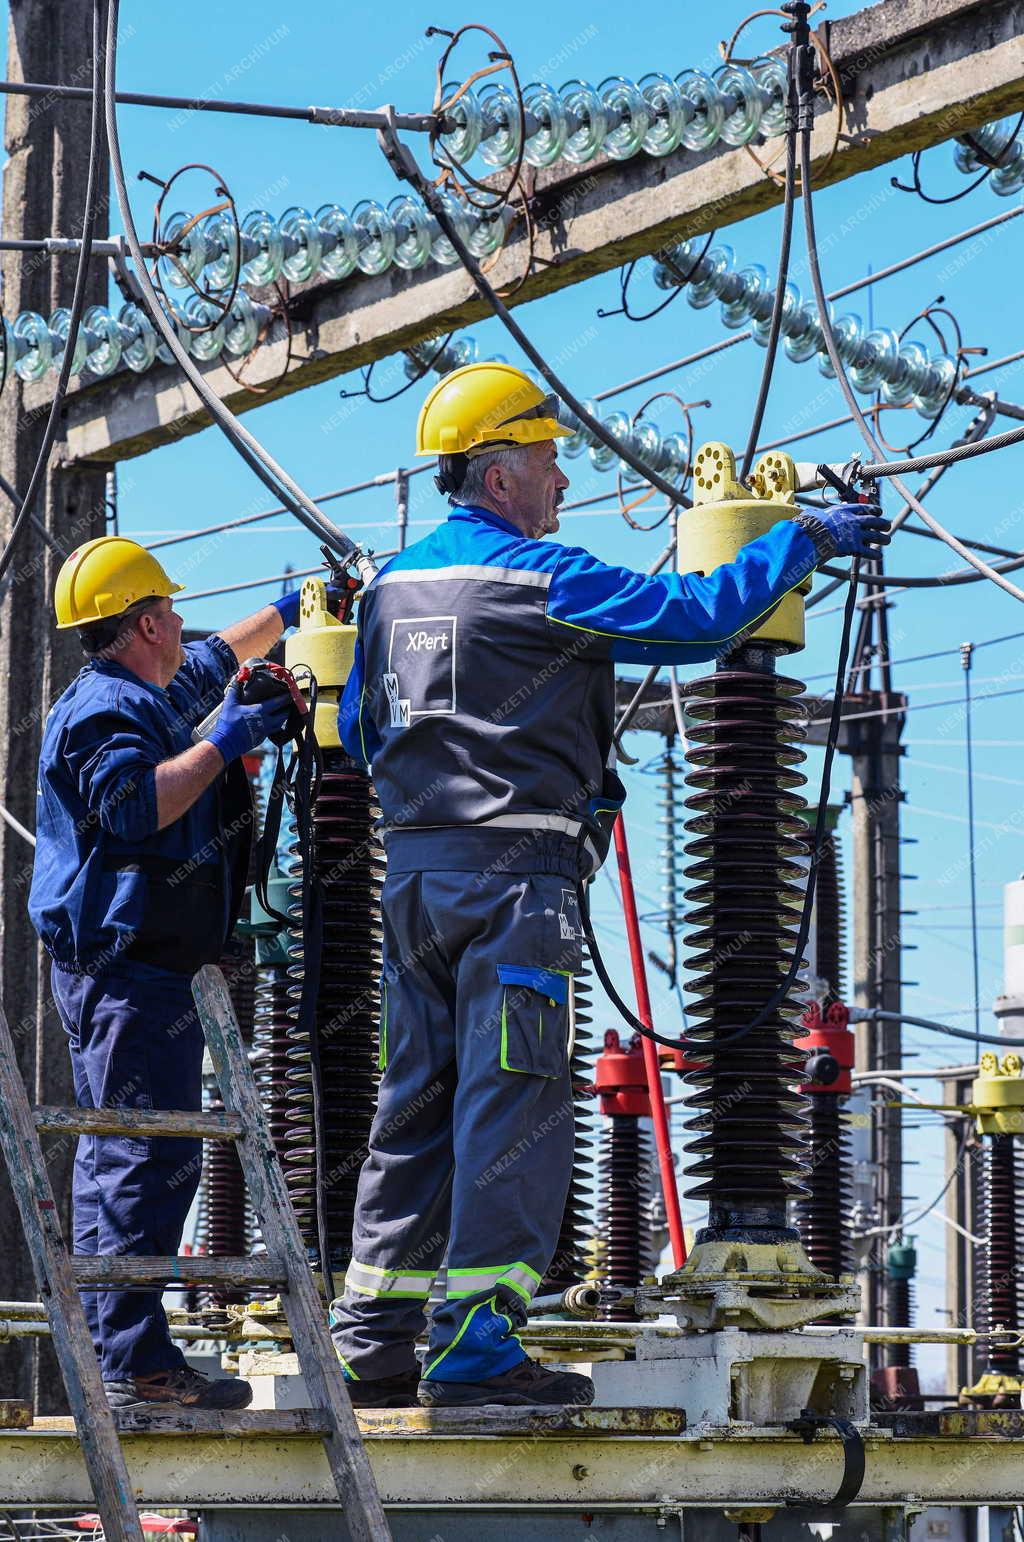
285, 1266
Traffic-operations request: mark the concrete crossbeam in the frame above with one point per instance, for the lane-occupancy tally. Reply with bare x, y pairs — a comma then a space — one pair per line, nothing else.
913, 72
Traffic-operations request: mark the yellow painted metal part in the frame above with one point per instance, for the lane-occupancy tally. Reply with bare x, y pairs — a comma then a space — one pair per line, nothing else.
997, 1094
726, 515
991, 1387
759, 1262
325, 646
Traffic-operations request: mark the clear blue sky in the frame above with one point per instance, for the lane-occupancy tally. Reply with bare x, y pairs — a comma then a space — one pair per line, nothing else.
305, 53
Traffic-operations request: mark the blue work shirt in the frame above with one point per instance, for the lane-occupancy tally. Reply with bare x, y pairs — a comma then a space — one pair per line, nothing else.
483, 686
107, 883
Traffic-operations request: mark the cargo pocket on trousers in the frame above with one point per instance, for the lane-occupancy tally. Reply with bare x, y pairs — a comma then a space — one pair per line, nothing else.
534, 1019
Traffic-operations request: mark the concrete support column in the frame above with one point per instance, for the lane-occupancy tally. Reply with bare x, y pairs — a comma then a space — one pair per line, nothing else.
47, 145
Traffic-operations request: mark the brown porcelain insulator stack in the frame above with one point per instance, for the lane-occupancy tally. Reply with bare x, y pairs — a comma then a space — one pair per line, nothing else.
625, 1254
745, 895
996, 1289
349, 863
224, 1224
822, 1214
829, 963
238, 966
569, 1264
270, 1047
225, 1218
624, 1170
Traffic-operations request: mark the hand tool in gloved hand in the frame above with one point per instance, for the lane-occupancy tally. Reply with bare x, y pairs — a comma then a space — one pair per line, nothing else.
261, 701
856, 529
342, 589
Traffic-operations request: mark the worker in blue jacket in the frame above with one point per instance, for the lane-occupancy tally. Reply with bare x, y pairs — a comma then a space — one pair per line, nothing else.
142, 848
482, 696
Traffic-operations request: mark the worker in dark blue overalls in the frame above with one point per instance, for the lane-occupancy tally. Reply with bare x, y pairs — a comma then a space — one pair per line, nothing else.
142, 848
483, 696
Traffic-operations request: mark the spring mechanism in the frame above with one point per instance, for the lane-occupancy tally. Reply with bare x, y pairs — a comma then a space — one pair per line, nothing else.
996, 1289
747, 841
349, 863
624, 1246
569, 1263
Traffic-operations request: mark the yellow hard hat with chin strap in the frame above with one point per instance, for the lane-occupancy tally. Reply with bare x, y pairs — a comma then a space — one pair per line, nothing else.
486, 406
104, 577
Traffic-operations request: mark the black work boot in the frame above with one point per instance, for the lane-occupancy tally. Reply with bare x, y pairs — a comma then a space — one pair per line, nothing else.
180, 1388
398, 1391
526, 1384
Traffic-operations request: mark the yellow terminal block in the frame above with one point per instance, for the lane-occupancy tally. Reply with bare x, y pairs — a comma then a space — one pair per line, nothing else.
997, 1095
325, 646
726, 515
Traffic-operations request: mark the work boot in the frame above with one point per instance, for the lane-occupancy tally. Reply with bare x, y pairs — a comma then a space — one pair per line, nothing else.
180, 1388
397, 1391
527, 1384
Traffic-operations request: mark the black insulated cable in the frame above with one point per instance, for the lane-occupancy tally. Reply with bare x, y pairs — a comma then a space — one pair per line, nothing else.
818, 843
877, 1014
26, 511
616, 1000
252, 452
402, 163
882, 468
331, 117
785, 244
950, 457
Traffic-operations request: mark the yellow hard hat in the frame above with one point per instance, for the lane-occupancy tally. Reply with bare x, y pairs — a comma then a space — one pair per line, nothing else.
486, 404
103, 577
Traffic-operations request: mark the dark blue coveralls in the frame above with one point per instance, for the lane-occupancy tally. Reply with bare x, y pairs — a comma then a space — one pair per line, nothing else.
483, 694
128, 913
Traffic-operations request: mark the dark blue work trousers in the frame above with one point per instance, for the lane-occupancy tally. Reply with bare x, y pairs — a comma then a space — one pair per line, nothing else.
135, 1042
470, 1153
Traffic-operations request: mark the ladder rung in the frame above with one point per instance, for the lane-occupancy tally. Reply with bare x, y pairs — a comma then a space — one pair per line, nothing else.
201, 1421
137, 1122
121, 1269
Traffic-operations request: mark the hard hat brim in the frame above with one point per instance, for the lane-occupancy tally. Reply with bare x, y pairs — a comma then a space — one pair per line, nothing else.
72, 626
515, 435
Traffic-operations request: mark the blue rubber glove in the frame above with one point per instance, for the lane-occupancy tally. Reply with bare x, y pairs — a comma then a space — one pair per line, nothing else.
240, 728
287, 606
846, 530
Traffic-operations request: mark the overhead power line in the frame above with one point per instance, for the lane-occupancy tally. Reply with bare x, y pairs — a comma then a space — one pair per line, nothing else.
835, 294
330, 117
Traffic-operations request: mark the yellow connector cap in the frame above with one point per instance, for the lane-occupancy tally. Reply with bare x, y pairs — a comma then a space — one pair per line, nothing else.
326, 647
726, 515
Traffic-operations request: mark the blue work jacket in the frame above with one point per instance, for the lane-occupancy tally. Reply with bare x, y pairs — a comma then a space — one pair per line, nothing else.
107, 884
483, 686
